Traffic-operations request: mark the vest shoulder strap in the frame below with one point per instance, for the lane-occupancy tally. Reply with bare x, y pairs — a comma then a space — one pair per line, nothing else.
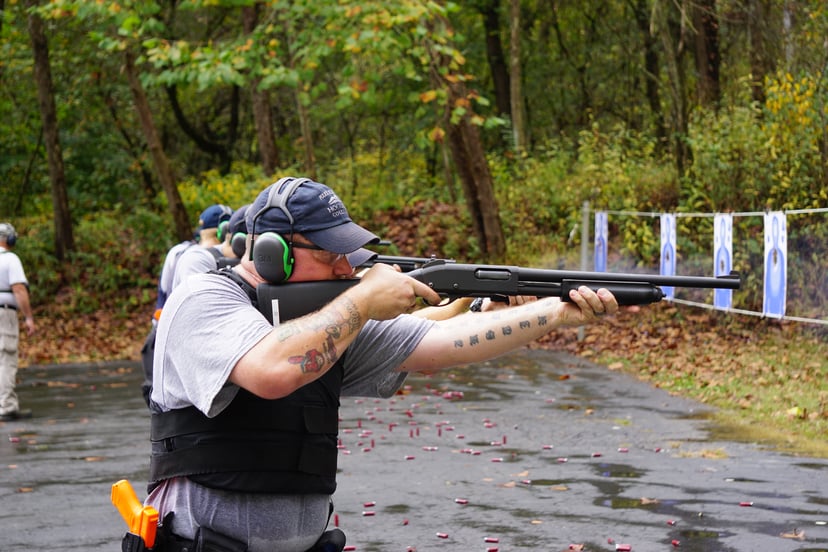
215, 253
249, 290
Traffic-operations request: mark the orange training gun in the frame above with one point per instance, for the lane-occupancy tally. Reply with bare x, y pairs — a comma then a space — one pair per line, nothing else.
141, 520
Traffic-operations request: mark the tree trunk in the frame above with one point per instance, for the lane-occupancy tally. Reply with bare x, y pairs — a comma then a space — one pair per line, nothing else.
478, 187
307, 135
672, 39
262, 117
64, 238
708, 58
651, 70
183, 228
468, 155
264, 129
495, 56
761, 60
304, 117
516, 79
219, 147
787, 33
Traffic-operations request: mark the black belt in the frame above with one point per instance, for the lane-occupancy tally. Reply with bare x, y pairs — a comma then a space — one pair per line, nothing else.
207, 540
12, 307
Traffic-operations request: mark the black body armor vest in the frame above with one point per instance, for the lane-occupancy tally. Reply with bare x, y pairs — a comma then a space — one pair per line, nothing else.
288, 445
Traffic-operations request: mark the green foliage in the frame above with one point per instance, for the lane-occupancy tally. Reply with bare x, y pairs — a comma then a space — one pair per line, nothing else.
541, 197
730, 171
795, 119
35, 247
365, 74
772, 157
379, 181
237, 188
116, 250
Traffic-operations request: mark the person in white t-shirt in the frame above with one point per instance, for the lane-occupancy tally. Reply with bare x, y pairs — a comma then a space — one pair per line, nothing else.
14, 298
205, 257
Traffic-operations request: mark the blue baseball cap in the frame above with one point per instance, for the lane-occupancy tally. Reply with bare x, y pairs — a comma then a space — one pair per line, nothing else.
238, 222
360, 257
214, 215
318, 214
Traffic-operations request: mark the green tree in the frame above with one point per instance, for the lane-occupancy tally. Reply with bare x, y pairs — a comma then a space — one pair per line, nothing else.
64, 238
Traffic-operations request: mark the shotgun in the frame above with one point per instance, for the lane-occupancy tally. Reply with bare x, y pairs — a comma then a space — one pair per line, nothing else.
454, 280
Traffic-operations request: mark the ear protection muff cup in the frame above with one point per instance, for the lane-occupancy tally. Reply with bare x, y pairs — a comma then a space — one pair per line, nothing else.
222, 228
238, 243
272, 257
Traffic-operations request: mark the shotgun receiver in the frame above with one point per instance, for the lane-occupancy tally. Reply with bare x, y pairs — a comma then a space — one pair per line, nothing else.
406, 264
453, 280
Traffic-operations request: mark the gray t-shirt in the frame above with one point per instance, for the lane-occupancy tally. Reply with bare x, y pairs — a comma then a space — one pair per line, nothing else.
195, 260
207, 325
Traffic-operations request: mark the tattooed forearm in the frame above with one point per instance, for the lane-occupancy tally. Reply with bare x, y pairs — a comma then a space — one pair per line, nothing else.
492, 334
342, 318
284, 331
325, 319
354, 318
312, 361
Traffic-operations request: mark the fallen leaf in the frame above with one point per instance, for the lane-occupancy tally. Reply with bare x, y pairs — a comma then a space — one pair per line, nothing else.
795, 534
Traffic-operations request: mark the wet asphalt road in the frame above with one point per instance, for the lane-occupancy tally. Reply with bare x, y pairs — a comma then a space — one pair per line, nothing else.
533, 451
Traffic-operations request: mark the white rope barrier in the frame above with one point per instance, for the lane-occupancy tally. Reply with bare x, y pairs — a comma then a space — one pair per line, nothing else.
587, 211
747, 312
711, 215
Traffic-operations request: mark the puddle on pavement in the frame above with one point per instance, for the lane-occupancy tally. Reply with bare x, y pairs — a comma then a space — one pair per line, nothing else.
397, 509
742, 480
700, 539
618, 470
561, 483
821, 500
626, 503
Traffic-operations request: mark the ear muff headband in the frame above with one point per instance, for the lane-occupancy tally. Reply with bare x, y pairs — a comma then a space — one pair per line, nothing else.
271, 254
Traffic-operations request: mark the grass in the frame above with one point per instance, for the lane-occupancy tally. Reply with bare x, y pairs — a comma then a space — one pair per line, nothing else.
766, 379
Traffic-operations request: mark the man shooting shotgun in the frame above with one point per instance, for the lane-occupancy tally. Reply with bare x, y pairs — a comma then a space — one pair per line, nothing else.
245, 407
